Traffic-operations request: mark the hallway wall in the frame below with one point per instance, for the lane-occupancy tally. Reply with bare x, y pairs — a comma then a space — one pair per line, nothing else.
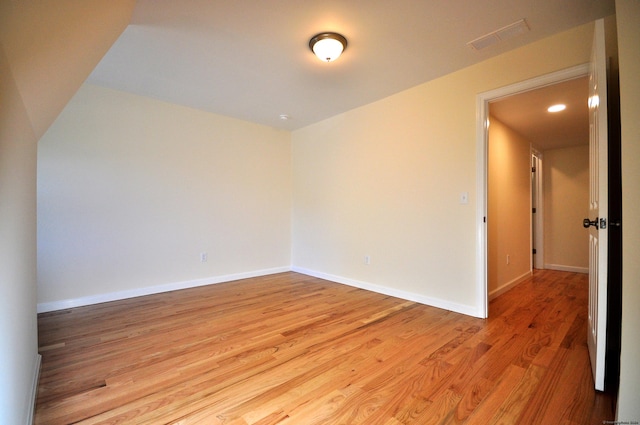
566, 204
508, 208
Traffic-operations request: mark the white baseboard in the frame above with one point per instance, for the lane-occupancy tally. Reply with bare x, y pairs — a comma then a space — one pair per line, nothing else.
405, 295
571, 269
504, 288
34, 390
138, 292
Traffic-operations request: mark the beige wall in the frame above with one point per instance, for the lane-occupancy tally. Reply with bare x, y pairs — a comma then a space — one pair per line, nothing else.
18, 333
508, 208
46, 50
384, 180
52, 47
566, 204
628, 19
131, 190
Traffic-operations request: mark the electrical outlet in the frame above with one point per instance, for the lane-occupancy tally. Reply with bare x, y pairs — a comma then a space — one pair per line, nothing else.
204, 257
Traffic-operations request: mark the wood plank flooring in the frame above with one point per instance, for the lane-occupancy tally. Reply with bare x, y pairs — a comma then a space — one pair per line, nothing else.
291, 349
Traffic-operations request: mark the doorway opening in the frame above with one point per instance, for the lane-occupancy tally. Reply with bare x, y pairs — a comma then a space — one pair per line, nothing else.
537, 211
483, 122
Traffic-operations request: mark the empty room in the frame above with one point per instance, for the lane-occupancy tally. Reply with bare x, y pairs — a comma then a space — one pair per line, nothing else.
208, 217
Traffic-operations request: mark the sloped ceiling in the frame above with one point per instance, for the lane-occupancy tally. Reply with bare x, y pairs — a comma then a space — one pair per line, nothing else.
250, 59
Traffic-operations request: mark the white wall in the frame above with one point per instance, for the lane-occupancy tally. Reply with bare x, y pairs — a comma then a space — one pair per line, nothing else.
566, 204
628, 20
384, 180
131, 190
508, 208
46, 50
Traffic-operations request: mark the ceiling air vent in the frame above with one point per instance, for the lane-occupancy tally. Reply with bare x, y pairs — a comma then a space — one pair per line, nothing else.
504, 33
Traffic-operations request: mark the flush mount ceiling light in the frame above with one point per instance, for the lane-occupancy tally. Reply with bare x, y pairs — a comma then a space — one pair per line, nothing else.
557, 108
328, 46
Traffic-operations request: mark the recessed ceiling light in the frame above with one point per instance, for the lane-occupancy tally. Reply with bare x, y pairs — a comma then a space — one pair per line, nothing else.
557, 108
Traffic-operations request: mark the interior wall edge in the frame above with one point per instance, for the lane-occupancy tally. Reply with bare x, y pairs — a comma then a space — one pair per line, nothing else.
405, 295
504, 288
563, 268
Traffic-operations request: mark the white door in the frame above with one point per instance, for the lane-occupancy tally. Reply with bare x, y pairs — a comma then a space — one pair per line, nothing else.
597, 221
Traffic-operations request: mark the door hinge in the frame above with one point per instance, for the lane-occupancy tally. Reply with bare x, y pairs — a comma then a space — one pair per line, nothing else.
533, 210
533, 169
534, 251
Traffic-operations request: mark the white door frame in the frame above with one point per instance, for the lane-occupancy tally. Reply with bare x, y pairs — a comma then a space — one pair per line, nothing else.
482, 142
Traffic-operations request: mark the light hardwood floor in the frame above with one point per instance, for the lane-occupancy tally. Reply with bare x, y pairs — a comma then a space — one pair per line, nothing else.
292, 349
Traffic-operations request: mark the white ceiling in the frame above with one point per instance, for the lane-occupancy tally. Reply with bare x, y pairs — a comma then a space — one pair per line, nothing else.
527, 114
250, 59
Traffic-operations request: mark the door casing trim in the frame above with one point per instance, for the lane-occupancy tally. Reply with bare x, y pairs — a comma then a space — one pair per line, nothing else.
482, 117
